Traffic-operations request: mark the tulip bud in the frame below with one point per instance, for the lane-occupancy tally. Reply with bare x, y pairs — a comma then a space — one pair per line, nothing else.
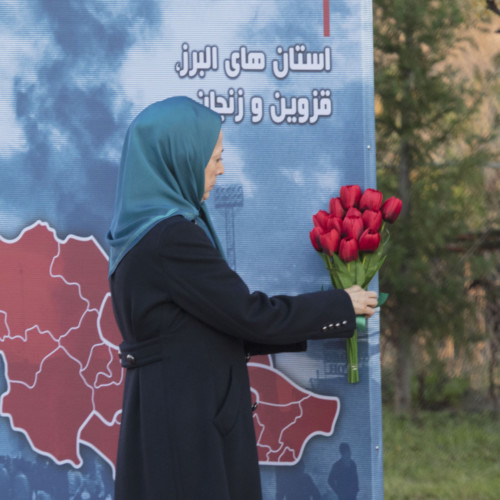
315, 235
372, 219
335, 223
353, 212
391, 209
321, 219
336, 208
348, 249
371, 199
369, 240
350, 195
352, 227
330, 242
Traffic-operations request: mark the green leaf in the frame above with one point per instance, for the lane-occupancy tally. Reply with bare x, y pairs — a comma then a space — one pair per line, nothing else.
382, 298
360, 273
346, 277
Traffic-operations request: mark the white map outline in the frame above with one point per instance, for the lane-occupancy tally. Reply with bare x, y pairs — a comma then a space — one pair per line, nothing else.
104, 341
301, 389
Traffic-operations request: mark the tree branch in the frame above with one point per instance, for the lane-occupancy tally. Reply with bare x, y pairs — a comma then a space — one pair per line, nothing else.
492, 5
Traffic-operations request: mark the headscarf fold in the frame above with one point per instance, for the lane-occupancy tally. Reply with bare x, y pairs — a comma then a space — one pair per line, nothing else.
162, 172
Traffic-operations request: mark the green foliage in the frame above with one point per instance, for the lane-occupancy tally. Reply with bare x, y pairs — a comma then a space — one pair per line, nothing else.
441, 455
434, 389
430, 154
431, 389
422, 103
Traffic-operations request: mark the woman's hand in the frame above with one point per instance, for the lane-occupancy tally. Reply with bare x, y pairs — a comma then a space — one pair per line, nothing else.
364, 302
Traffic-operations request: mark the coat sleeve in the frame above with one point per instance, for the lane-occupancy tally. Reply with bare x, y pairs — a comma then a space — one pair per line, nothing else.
200, 282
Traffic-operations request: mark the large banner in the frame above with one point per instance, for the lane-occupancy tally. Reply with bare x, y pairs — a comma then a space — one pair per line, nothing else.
293, 82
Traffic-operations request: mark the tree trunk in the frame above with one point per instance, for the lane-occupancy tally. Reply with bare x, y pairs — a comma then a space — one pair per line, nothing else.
404, 182
402, 393
402, 385
493, 319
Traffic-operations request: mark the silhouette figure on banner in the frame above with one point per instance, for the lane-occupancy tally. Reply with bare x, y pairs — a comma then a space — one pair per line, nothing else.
293, 483
343, 478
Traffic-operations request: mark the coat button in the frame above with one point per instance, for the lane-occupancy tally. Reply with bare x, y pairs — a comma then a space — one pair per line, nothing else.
337, 325
325, 328
254, 406
330, 325
130, 359
344, 322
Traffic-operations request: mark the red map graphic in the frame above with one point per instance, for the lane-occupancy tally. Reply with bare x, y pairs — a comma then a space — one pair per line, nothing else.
59, 342
287, 416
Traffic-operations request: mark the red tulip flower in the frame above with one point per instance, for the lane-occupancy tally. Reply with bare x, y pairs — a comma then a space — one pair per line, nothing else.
371, 200
391, 209
372, 219
369, 240
348, 249
321, 219
353, 212
336, 208
350, 195
330, 242
352, 227
335, 223
315, 235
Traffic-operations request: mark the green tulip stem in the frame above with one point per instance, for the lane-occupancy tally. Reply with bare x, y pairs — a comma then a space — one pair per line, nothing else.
352, 359
345, 274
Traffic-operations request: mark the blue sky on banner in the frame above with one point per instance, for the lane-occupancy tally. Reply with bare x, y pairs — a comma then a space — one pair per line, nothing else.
62, 111
75, 73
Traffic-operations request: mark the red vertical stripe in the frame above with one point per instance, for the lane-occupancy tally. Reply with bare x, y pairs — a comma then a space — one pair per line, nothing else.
326, 17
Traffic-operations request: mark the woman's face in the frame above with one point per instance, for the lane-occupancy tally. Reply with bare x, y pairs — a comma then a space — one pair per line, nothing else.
214, 167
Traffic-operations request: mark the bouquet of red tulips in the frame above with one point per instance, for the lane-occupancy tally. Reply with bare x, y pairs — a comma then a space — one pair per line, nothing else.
352, 239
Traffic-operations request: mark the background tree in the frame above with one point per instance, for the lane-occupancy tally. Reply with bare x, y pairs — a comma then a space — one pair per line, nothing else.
430, 153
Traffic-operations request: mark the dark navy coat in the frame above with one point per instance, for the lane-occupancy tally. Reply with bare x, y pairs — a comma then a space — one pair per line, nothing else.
188, 322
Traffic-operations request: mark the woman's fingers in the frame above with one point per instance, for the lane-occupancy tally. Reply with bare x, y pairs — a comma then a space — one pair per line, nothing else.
364, 302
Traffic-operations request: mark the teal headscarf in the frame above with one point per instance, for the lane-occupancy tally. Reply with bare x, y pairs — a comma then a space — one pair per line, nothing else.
162, 172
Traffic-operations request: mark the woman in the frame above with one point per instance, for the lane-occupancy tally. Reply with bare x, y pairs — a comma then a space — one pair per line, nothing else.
188, 321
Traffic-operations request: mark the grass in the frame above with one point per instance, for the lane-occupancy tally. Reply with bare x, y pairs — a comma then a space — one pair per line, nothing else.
441, 455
